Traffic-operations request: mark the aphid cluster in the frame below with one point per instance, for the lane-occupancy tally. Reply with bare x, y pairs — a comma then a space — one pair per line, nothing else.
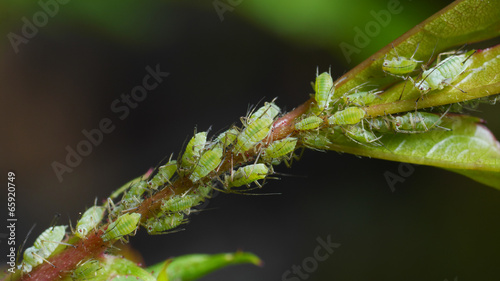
244, 156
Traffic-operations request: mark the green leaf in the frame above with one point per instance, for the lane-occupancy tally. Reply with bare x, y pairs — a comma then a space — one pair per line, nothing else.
195, 266
469, 148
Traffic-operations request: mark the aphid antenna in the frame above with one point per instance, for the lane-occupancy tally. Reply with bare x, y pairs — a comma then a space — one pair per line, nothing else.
396, 52
251, 109
432, 55
261, 194
469, 56
404, 87
170, 231
24, 243
109, 202
70, 224
55, 219
418, 45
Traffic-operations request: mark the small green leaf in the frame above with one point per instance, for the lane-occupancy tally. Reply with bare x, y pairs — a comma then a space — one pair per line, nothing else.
195, 266
469, 148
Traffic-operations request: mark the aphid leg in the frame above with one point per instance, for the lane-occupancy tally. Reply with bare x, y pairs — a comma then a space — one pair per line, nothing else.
60, 243
40, 257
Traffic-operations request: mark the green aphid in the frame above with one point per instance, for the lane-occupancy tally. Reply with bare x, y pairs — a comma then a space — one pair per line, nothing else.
416, 122
204, 191
348, 116
163, 224
361, 98
381, 124
316, 140
31, 258
309, 123
89, 220
399, 66
180, 203
132, 198
88, 270
44, 246
279, 148
270, 110
360, 135
444, 73
48, 241
208, 162
253, 134
193, 151
227, 138
324, 90
163, 175
247, 175
123, 225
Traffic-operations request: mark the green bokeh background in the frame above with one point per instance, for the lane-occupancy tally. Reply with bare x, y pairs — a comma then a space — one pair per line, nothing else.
436, 225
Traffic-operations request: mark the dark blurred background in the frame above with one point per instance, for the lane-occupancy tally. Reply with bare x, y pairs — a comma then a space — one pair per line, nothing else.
435, 225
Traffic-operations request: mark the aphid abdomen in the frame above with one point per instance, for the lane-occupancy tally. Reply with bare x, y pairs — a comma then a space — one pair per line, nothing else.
193, 151
309, 123
87, 271
248, 174
208, 162
324, 89
165, 223
348, 116
254, 133
316, 141
178, 204
279, 148
419, 122
45, 244
227, 138
163, 175
444, 73
399, 66
204, 191
269, 110
31, 258
360, 134
89, 220
48, 241
380, 124
123, 225
361, 98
